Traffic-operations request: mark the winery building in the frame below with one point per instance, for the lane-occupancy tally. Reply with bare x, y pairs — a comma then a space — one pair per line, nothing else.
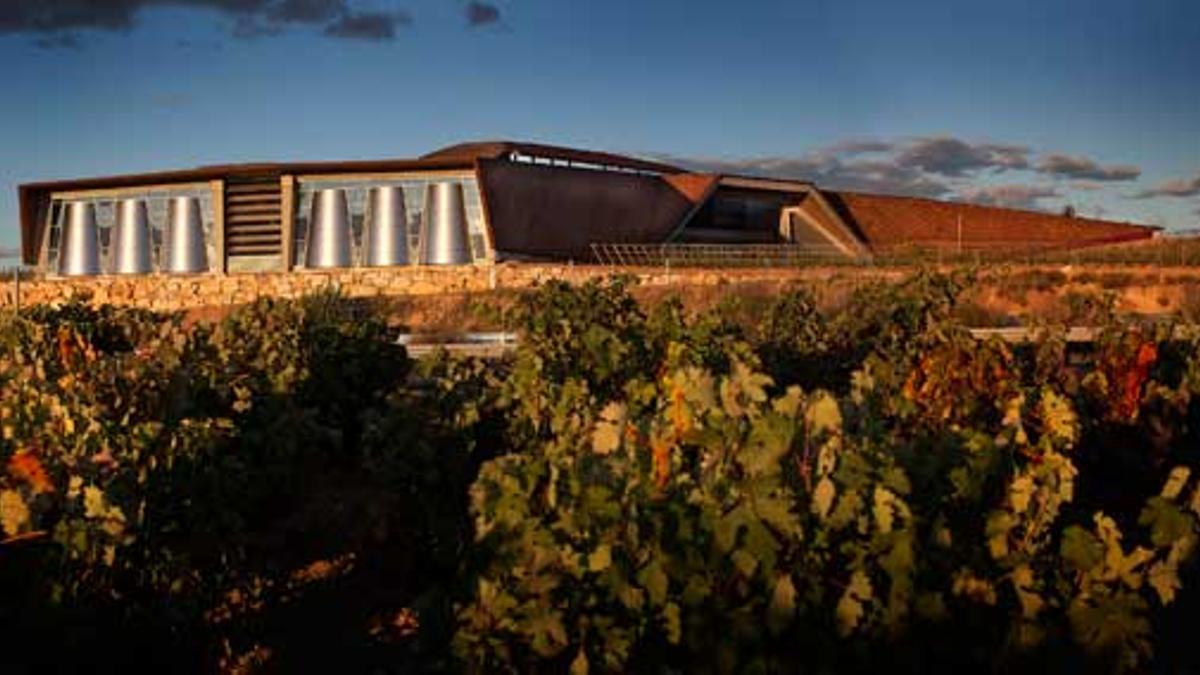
480, 203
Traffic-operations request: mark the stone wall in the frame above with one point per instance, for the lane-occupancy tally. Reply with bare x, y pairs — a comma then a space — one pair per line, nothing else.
173, 292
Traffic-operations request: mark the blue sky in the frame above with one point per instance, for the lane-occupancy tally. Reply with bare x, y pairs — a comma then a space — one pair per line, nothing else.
1039, 104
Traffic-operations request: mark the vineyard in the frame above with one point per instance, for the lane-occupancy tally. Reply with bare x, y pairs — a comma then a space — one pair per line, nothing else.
633, 489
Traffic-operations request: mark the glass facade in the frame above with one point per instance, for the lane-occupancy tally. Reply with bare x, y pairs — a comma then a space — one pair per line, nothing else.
356, 190
106, 215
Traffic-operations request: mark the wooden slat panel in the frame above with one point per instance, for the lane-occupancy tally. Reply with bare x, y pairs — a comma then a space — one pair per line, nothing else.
253, 218
248, 188
253, 198
233, 217
254, 229
254, 239
254, 250
264, 207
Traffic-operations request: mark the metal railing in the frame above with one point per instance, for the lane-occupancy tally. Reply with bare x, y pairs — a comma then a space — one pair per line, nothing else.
1165, 252
715, 255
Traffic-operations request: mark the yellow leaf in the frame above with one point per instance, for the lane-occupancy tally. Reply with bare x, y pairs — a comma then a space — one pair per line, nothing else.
1176, 482
850, 606
823, 497
1031, 602
580, 665
606, 437
968, 585
1012, 412
1019, 493
823, 414
14, 514
999, 524
783, 604
1164, 579
884, 501
1058, 418
600, 559
93, 502
673, 623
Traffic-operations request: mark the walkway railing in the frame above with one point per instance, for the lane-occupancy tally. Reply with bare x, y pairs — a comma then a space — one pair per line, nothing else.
1166, 252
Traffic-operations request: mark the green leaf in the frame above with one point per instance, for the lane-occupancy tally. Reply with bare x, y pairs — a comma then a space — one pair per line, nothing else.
1166, 521
744, 562
726, 529
548, 636
1081, 549
776, 511
696, 591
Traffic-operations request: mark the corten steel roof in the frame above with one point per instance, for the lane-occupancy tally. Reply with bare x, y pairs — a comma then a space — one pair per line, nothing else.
890, 222
469, 152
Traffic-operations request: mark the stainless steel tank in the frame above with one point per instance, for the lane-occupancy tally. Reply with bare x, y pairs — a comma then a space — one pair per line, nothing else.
329, 230
131, 238
184, 248
444, 236
79, 243
387, 227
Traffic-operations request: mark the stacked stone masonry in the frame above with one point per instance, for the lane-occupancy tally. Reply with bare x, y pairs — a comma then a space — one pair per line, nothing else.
166, 292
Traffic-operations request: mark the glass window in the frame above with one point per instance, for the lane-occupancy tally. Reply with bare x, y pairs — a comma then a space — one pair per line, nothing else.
106, 216
414, 202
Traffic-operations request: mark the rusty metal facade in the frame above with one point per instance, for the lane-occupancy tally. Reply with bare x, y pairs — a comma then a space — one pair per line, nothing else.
552, 212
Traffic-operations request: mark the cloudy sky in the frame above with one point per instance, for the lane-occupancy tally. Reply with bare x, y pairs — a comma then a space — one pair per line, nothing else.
1029, 103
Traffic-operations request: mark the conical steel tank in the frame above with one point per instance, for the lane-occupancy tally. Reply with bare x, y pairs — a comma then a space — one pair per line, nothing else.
184, 248
79, 246
329, 230
444, 237
131, 238
387, 227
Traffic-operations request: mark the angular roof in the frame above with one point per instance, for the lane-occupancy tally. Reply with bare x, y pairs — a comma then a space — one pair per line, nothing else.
469, 152
888, 222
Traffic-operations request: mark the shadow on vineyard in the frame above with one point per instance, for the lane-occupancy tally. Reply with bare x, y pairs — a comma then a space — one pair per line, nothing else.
634, 490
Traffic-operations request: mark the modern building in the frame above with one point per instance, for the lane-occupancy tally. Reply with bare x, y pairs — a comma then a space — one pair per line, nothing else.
485, 202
